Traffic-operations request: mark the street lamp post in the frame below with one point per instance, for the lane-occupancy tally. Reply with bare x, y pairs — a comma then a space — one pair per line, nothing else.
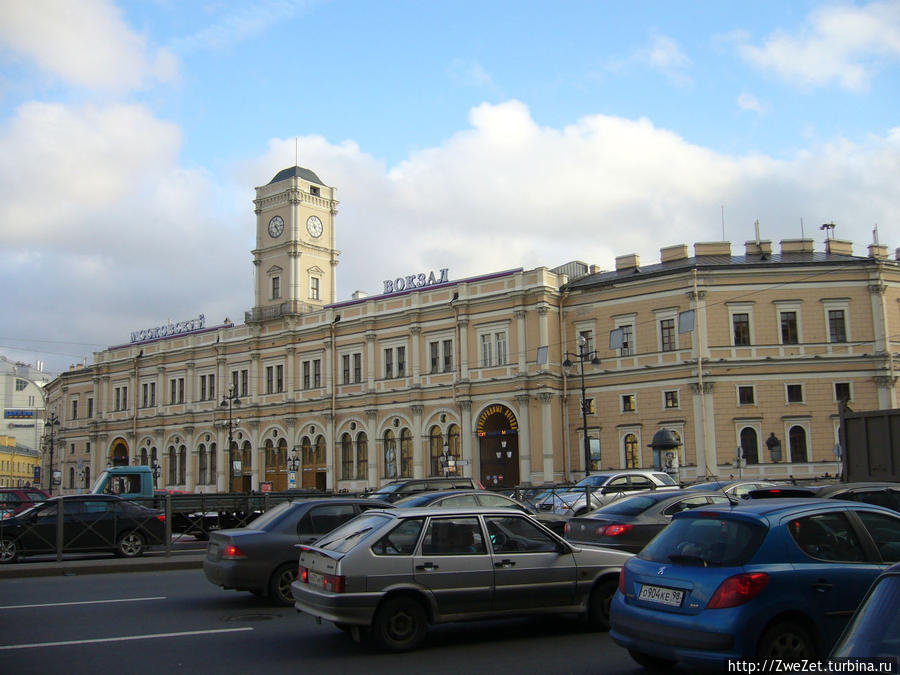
52, 421
228, 402
584, 354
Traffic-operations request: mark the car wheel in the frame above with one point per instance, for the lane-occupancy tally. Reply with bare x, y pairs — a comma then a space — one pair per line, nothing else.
130, 545
787, 641
280, 584
599, 602
8, 551
653, 663
400, 625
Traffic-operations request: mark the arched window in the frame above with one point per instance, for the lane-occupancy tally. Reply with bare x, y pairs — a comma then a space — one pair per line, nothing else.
211, 464
87, 477
346, 457
144, 457
306, 451
320, 450
173, 466
390, 454
632, 452
797, 439
281, 458
406, 459
453, 441
201, 461
750, 445
71, 476
436, 450
246, 459
271, 460
182, 464
362, 456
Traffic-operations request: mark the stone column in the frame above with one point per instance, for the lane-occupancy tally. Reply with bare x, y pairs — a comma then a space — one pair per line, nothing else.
467, 436
463, 324
417, 449
523, 347
415, 334
330, 469
547, 435
373, 475
524, 439
370, 361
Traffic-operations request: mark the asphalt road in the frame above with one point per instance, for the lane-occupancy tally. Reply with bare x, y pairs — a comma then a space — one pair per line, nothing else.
176, 621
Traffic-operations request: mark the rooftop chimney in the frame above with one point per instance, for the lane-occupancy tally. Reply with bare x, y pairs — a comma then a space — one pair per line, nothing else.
627, 262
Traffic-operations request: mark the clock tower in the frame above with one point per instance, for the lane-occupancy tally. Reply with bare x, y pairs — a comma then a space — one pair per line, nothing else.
295, 255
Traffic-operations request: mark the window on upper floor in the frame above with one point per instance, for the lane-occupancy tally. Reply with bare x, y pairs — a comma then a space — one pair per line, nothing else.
493, 348
629, 403
670, 398
276, 288
794, 393
837, 327
789, 333
746, 395
842, 391
667, 341
740, 323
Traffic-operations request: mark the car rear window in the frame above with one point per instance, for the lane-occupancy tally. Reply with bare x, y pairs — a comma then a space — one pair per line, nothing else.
664, 478
351, 533
630, 506
706, 541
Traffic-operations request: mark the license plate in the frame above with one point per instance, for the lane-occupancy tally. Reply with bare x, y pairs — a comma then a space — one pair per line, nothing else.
316, 579
662, 596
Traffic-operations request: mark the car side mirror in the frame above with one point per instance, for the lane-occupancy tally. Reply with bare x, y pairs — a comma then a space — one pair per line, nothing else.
563, 547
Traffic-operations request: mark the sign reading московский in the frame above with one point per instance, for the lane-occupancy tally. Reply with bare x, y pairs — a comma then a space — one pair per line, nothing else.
168, 329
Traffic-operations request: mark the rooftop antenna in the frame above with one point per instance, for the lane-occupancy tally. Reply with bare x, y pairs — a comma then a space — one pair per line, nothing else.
829, 230
875, 235
723, 222
756, 225
802, 234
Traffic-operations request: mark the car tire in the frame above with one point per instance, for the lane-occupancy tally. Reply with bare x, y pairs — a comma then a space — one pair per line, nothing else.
9, 551
130, 545
280, 584
788, 641
399, 625
599, 603
651, 663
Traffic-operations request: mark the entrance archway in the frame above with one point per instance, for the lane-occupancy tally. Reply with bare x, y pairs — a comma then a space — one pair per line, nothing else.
118, 454
498, 446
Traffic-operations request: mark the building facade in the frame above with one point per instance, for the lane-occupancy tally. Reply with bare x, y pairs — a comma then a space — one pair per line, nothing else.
513, 377
22, 404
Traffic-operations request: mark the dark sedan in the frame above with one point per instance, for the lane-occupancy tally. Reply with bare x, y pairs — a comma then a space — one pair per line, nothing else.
262, 557
879, 493
630, 523
89, 523
733, 488
465, 498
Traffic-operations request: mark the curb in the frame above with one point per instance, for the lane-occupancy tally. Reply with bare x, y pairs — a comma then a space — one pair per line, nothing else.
68, 568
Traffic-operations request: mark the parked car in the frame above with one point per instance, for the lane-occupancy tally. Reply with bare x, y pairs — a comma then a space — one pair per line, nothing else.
262, 557
454, 498
630, 523
90, 523
733, 488
765, 579
389, 574
398, 489
874, 630
883, 494
604, 488
14, 500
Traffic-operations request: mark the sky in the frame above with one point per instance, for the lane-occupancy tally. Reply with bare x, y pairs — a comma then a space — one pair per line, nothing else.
474, 136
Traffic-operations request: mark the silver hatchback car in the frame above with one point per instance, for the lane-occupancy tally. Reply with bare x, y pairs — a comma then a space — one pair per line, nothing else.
389, 574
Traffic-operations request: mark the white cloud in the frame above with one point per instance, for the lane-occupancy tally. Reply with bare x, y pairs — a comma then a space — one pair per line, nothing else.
843, 44
469, 73
665, 55
749, 102
84, 43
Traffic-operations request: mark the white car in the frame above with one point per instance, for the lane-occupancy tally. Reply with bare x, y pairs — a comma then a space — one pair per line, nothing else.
603, 488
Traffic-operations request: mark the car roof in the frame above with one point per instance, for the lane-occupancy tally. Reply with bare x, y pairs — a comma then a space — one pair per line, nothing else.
420, 511
852, 487
766, 508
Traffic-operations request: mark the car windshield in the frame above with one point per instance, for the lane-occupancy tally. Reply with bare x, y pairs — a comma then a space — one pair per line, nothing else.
387, 489
264, 521
664, 478
706, 540
630, 506
594, 480
875, 631
351, 533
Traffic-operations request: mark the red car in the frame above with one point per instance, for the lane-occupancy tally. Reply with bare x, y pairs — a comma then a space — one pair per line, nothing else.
15, 500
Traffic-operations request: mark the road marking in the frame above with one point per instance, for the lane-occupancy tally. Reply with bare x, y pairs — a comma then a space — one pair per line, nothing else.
124, 638
83, 602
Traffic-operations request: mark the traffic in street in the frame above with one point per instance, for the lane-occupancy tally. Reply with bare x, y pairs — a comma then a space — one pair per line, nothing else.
176, 621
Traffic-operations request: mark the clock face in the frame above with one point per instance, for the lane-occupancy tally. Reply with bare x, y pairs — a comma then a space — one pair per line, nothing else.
314, 226
276, 227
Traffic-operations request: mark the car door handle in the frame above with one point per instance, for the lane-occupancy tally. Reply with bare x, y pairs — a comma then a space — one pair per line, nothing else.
427, 566
821, 586
505, 563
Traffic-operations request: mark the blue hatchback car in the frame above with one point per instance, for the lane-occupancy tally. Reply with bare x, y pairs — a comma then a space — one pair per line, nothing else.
775, 578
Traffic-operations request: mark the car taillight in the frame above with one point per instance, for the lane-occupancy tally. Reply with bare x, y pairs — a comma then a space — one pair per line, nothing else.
303, 574
232, 552
614, 530
334, 583
738, 589
622, 581
567, 529
161, 517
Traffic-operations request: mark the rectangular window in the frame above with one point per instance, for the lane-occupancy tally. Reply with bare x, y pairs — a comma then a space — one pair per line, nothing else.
276, 288
176, 390
740, 322
307, 369
314, 288
317, 373
116, 402
746, 395
279, 378
345, 368
667, 335
795, 393
842, 391
270, 379
789, 335
401, 361
239, 380
145, 395
837, 329
207, 387
627, 340
501, 348
388, 363
90, 410
434, 351
74, 410
448, 356
485, 351
588, 336
628, 403
245, 380
357, 368
671, 399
